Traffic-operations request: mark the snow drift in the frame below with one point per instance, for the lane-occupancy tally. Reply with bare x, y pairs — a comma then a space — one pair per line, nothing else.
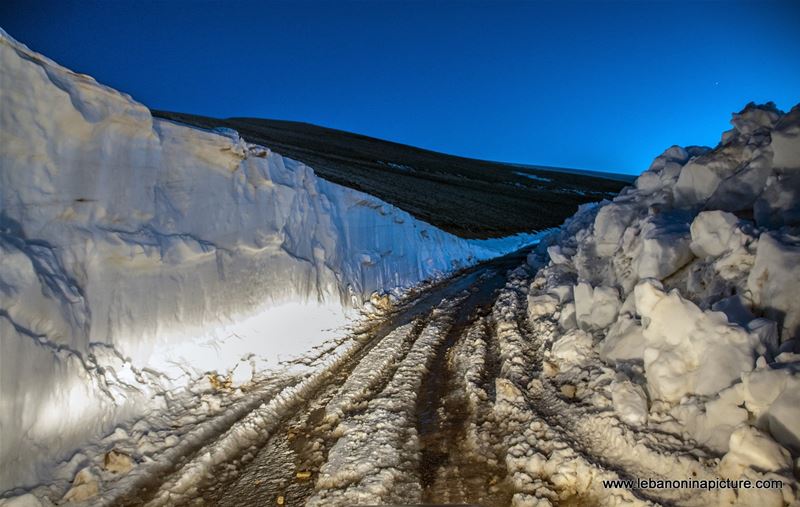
688, 286
137, 253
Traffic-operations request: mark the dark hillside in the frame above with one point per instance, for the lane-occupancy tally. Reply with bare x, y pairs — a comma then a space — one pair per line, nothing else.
468, 197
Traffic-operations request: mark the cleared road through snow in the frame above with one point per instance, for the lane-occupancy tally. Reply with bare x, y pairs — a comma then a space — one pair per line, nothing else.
441, 401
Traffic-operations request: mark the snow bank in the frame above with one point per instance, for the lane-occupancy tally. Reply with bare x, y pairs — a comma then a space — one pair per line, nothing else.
136, 254
688, 285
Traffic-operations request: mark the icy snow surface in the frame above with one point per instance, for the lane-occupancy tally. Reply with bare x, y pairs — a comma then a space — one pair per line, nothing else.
137, 254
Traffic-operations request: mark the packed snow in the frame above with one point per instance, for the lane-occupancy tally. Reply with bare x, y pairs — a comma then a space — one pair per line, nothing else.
137, 254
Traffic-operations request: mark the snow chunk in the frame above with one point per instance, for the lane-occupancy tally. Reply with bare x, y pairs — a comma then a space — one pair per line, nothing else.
624, 341
595, 308
773, 397
562, 292
754, 117
630, 402
698, 181
557, 255
733, 176
673, 154
566, 318
573, 348
689, 351
544, 305
751, 448
714, 233
711, 423
740, 190
666, 168
779, 203
665, 246
785, 141
774, 283
730, 182
609, 226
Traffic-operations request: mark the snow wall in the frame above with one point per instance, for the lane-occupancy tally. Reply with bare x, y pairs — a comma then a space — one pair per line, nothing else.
137, 254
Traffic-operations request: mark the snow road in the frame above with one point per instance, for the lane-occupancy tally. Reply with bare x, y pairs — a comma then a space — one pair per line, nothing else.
439, 401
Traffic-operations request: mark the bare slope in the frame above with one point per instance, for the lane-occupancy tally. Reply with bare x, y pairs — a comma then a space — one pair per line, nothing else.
468, 197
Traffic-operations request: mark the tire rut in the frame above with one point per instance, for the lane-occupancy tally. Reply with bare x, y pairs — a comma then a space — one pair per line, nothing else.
291, 459
286, 466
450, 471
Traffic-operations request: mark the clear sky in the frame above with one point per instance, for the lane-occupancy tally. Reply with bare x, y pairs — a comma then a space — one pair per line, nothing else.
593, 85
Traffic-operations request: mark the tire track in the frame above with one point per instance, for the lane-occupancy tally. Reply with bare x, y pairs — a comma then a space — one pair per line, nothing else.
303, 443
376, 457
450, 469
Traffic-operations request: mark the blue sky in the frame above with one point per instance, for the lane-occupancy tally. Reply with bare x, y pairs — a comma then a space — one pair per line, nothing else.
594, 85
